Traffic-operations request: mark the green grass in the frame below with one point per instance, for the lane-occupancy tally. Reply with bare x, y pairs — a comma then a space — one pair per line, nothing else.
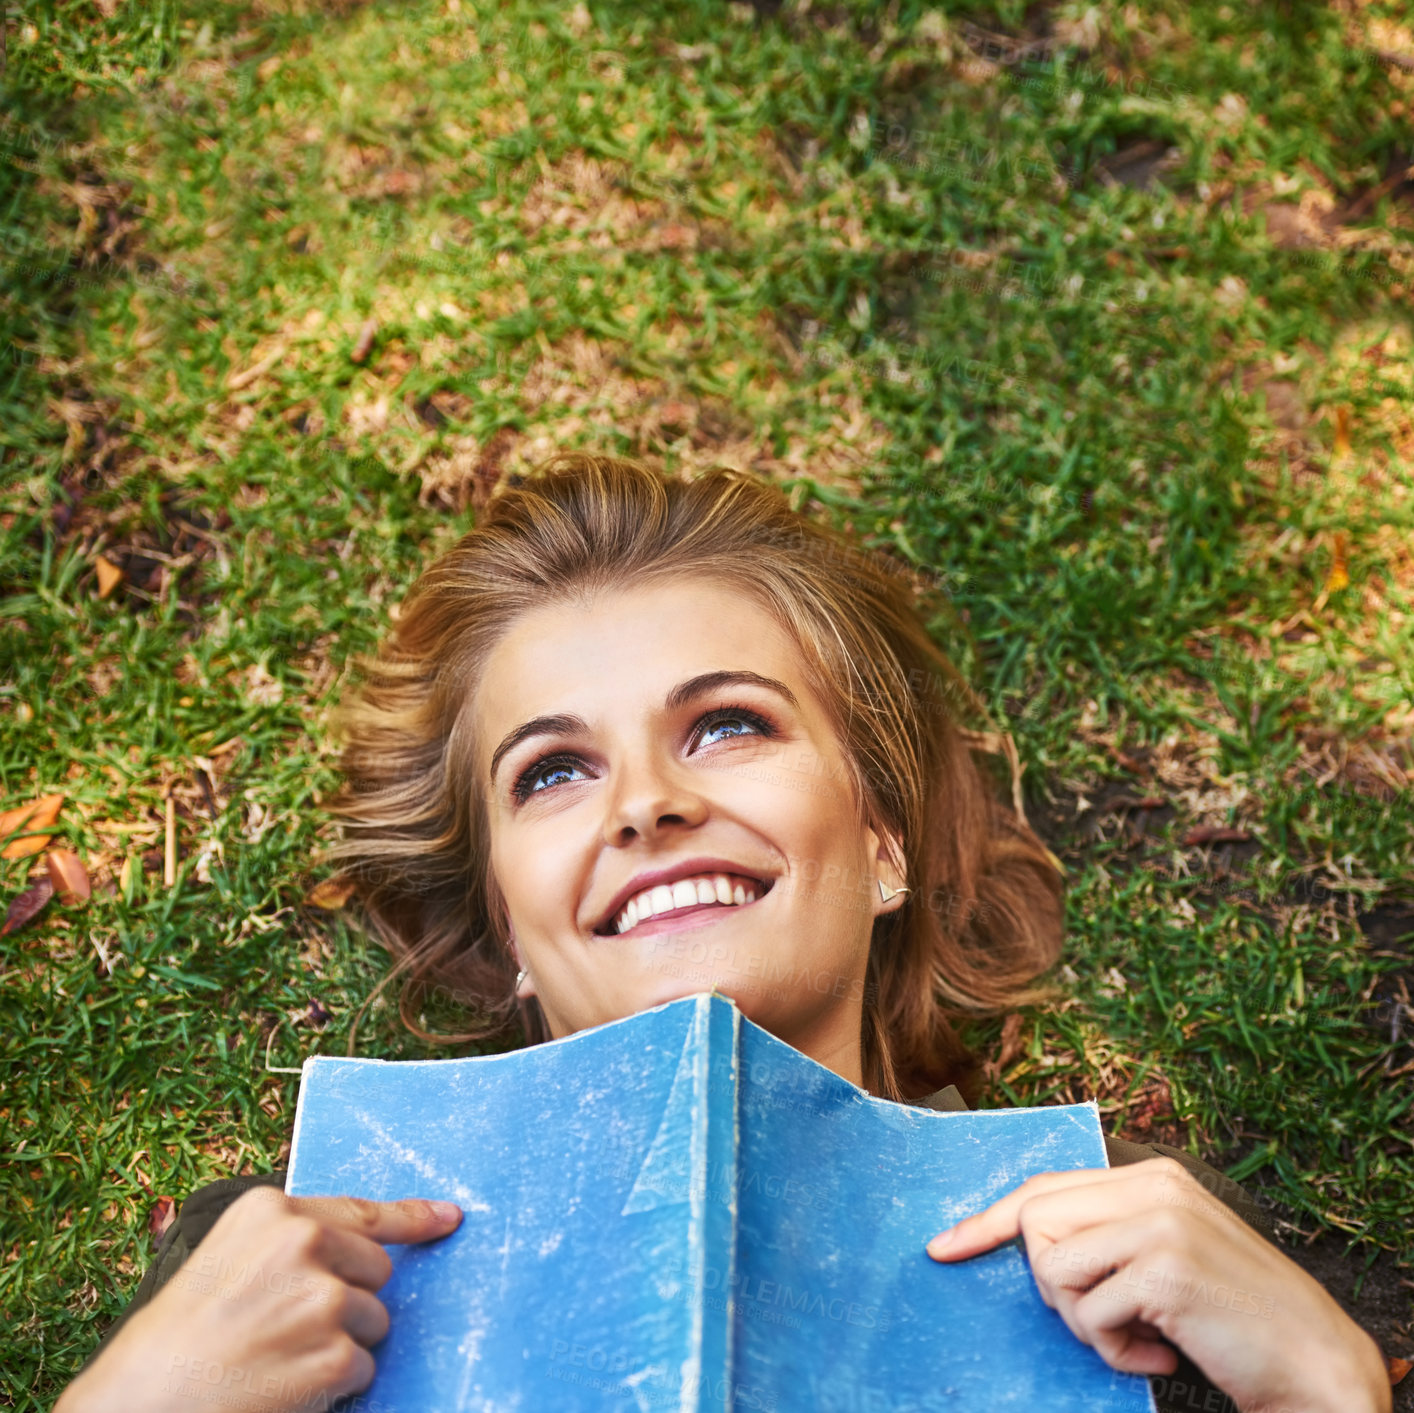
820, 246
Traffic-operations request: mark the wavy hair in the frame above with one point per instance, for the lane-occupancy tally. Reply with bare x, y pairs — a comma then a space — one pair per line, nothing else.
984, 915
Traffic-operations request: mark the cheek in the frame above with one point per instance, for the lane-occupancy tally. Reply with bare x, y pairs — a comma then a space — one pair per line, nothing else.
535, 880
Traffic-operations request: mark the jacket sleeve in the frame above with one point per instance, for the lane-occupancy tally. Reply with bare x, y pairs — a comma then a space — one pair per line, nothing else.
195, 1218
1188, 1388
1120, 1151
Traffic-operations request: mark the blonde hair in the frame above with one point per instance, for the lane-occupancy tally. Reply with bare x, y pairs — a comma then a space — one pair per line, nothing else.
984, 914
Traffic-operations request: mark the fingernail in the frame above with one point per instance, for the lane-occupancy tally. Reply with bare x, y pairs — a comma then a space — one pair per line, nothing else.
942, 1240
445, 1211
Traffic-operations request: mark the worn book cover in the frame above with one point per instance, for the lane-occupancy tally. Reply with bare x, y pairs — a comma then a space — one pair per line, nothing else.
679, 1211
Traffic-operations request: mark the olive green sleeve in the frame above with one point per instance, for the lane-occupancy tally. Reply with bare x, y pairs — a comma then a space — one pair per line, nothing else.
195, 1218
1120, 1152
1188, 1389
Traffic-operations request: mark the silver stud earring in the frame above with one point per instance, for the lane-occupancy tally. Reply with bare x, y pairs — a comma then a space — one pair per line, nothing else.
520, 978
892, 893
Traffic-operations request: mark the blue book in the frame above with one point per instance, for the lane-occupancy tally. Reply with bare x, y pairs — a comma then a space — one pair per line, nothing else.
677, 1211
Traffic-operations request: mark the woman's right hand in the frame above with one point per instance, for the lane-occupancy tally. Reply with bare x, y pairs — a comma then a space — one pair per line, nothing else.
272, 1313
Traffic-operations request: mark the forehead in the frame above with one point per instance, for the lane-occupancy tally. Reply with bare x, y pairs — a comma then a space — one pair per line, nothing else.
625, 646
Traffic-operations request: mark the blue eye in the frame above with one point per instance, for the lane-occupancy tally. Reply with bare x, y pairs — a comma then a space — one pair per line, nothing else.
552, 765
725, 714
524, 784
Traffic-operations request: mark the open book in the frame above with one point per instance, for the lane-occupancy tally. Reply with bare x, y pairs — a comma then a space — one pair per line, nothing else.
679, 1211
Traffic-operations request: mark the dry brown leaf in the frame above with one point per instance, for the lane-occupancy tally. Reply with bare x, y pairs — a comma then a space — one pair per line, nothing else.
246, 376
1342, 431
364, 342
27, 906
331, 894
1012, 1043
39, 814
1339, 576
1215, 834
109, 576
1398, 1368
160, 1217
69, 876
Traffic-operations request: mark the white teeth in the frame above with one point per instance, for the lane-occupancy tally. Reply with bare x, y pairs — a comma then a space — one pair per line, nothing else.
685, 893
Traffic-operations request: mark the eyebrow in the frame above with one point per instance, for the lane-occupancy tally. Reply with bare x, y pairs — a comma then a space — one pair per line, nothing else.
680, 696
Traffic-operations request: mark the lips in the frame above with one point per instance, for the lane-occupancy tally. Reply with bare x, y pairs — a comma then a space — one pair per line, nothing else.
689, 868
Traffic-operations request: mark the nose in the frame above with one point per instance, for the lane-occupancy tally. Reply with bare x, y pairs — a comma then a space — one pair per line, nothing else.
648, 794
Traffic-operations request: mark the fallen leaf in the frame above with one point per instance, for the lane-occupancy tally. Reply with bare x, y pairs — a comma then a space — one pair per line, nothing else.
39, 814
27, 906
1398, 1368
331, 894
1342, 431
1215, 834
109, 576
675, 236
69, 876
1012, 1043
1152, 1104
1339, 576
364, 342
160, 1217
246, 376
313, 1014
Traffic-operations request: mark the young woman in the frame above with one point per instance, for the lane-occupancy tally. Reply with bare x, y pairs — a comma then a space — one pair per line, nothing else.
636, 737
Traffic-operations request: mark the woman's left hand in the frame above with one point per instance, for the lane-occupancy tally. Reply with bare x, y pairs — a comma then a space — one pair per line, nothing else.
1138, 1258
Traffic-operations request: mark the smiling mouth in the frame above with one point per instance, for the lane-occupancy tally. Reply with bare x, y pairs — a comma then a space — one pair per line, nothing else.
760, 886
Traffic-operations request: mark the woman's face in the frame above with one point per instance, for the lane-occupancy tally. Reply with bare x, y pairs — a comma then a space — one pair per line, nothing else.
670, 729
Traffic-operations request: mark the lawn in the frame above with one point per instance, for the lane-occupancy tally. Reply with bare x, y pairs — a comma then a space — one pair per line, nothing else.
1096, 316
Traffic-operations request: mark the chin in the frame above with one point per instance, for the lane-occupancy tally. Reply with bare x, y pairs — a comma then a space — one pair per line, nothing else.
755, 1000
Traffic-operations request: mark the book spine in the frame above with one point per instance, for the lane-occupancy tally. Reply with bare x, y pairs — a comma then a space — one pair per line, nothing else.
712, 1242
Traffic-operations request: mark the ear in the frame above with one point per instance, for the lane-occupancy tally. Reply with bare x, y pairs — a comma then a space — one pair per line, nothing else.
889, 869
527, 987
